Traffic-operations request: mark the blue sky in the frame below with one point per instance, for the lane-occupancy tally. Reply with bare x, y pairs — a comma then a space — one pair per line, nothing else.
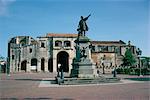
110, 20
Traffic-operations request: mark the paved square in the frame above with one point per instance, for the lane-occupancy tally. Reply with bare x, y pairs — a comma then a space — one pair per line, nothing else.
28, 86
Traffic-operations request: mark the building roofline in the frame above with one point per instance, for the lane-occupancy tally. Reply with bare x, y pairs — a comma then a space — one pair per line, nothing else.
108, 42
59, 35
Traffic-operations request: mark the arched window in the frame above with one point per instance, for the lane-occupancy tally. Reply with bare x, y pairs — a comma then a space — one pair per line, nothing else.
24, 65
67, 43
30, 50
58, 43
50, 65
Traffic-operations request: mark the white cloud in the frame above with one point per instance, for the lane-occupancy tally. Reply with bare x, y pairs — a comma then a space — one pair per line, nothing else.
4, 6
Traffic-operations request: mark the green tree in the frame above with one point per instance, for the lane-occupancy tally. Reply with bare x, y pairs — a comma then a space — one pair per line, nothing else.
129, 59
2, 58
145, 62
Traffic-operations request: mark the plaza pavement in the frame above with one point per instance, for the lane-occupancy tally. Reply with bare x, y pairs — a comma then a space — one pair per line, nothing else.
26, 86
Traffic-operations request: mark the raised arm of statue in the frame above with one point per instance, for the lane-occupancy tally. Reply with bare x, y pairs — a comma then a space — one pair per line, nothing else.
87, 17
83, 27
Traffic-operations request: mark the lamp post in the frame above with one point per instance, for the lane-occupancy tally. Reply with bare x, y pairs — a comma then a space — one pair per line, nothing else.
62, 73
8, 67
140, 66
103, 67
1, 63
139, 53
60, 78
114, 72
58, 70
0, 68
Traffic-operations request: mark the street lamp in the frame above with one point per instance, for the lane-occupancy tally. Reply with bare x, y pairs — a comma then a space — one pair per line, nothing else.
58, 70
8, 67
103, 64
60, 78
0, 68
139, 53
114, 72
1, 63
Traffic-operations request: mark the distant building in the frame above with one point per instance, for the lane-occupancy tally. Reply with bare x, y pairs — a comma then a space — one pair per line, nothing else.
45, 53
109, 54
2, 64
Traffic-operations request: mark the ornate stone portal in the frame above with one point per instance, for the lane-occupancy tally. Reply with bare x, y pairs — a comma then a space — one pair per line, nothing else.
83, 66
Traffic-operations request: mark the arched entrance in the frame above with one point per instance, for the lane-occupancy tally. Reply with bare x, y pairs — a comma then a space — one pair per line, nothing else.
63, 59
50, 65
42, 64
34, 64
24, 65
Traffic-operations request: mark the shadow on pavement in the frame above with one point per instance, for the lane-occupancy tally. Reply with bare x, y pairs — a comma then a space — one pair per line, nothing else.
40, 98
139, 79
25, 98
28, 79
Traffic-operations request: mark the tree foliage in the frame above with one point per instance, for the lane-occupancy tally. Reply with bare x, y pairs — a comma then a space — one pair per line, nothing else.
129, 59
2, 58
145, 62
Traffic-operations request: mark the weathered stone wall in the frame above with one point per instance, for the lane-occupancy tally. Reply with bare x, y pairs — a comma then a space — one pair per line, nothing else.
27, 54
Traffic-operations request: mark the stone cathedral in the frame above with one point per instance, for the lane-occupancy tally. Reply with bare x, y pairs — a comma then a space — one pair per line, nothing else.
45, 53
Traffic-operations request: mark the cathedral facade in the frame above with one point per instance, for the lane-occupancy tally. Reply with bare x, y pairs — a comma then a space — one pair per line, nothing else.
46, 53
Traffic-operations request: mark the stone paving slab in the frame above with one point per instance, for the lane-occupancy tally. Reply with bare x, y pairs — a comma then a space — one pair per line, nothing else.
46, 82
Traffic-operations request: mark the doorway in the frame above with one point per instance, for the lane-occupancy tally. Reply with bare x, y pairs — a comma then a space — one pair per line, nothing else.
63, 59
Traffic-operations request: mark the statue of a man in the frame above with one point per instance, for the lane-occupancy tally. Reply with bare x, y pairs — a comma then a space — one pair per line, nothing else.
82, 27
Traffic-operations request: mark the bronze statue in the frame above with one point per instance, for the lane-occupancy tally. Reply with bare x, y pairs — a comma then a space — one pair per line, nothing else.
82, 27
83, 53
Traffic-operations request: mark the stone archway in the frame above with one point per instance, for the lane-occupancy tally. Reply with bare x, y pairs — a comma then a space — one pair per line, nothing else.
24, 65
42, 64
63, 59
50, 65
34, 64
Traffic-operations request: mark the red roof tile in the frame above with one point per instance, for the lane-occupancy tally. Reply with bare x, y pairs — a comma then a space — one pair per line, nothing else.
61, 35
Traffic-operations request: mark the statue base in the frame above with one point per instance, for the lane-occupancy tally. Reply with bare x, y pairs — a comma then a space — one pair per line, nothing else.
83, 66
83, 69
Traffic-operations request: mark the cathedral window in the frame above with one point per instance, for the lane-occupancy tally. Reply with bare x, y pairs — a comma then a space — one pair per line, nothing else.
42, 44
103, 48
93, 48
58, 43
67, 43
30, 50
13, 57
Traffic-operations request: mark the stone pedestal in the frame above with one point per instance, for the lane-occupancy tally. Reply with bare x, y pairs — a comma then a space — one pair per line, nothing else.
82, 66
